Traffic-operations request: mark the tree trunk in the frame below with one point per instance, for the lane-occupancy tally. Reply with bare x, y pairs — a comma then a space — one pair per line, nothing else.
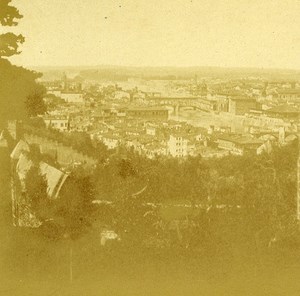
71, 265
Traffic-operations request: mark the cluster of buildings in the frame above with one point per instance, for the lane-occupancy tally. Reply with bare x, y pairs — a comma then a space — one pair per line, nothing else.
154, 135
146, 118
146, 115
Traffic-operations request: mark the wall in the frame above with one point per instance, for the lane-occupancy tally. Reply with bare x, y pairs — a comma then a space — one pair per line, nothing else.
65, 155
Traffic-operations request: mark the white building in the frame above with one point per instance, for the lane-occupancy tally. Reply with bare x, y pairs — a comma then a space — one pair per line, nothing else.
110, 141
177, 146
150, 130
119, 95
55, 92
72, 97
61, 123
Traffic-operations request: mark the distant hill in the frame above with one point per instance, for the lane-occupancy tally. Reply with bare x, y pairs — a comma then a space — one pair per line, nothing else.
119, 73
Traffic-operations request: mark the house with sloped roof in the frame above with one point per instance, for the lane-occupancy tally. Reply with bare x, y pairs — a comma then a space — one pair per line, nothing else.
155, 149
61, 123
23, 215
239, 144
285, 111
289, 94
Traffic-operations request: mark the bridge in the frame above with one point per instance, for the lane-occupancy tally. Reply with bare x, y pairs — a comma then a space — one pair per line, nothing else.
197, 103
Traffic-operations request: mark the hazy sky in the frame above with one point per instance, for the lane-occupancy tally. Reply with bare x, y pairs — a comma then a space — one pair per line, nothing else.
240, 33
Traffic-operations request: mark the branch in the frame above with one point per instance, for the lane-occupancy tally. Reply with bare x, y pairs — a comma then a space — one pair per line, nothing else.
139, 192
8, 14
9, 44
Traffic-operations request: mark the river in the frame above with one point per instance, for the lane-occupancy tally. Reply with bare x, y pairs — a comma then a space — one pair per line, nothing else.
204, 119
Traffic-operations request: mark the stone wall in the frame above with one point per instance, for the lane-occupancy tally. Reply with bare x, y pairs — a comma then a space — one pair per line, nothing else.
64, 155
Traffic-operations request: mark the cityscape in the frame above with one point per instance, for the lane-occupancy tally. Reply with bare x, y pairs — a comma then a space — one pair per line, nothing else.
177, 118
147, 180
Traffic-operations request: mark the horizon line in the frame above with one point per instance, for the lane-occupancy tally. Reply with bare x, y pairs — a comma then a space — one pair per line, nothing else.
164, 66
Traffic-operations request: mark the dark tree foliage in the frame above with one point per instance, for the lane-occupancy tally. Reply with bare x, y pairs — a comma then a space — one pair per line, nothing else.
16, 83
35, 104
74, 210
126, 168
36, 123
233, 200
9, 44
36, 191
8, 14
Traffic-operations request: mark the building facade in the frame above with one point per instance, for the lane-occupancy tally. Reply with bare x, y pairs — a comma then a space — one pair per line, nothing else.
149, 113
177, 146
241, 106
61, 123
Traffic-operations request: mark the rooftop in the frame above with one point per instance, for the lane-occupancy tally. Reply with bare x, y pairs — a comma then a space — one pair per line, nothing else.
290, 91
284, 109
239, 98
240, 139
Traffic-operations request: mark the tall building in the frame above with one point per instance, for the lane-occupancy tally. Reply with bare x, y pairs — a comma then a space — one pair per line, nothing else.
178, 145
241, 105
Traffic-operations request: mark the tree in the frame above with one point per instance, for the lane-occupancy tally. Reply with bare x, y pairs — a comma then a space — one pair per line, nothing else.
126, 168
35, 104
8, 14
9, 42
74, 209
16, 83
36, 192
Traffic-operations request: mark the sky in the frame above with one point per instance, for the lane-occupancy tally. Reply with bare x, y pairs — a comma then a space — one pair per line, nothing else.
222, 33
